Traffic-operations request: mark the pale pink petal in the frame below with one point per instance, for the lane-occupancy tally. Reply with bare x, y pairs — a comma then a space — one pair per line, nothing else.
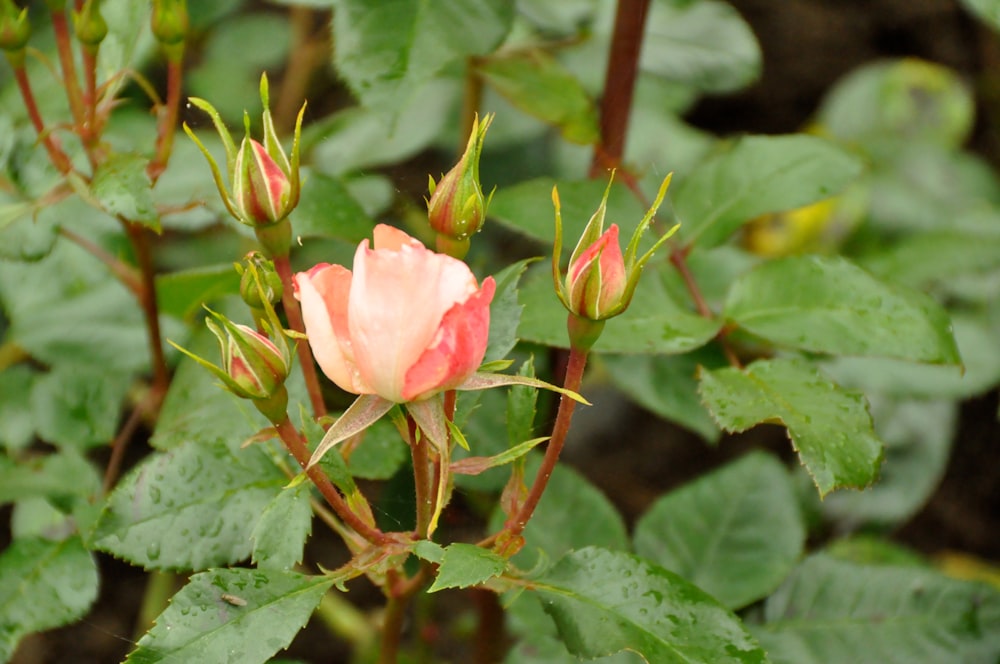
458, 347
398, 298
393, 239
323, 292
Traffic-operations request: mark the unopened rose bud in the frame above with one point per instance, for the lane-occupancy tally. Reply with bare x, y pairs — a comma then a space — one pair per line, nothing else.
601, 281
169, 21
261, 188
457, 208
15, 29
89, 26
259, 282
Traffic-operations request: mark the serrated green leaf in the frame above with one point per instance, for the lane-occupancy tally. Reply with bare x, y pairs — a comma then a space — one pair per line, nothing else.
505, 312
78, 407
653, 323
190, 508
604, 602
182, 294
231, 615
123, 189
429, 551
464, 565
830, 427
16, 425
835, 612
758, 174
521, 404
327, 209
283, 528
387, 50
827, 304
706, 45
666, 385
536, 83
735, 533
43, 585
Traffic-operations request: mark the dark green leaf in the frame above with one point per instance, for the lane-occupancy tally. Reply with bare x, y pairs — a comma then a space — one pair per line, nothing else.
382, 452
60, 478
935, 257
826, 304
735, 533
536, 83
192, 508
835, 612
43, 584
758, 174
466, 565
78, 406
283, 528
521, 404
666, 385
830, 427
706, 45
327, 209
387, 50
16, 425
653, 323
124, 190
231, 615
182, 294
604, 602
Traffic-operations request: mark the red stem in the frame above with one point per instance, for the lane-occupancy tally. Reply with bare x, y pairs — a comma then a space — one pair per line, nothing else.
283, 267
421, 478
296, 446
575, 365
61, 28
148, 301
168, 119
50, 142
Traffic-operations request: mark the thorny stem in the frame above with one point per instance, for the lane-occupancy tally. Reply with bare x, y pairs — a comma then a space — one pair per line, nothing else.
120, 443
61, 28
489, 627
51, 144
421, 477
619, 83
150, 309
296, 446
283, 266
575, 365
168, 120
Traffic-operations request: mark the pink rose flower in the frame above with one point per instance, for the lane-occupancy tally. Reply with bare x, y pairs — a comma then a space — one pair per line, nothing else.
406, 324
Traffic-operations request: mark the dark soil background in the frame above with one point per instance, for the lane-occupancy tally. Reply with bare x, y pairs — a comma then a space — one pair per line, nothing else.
808, 45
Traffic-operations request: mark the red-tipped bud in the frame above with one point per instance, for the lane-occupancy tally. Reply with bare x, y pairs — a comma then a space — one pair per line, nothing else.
457, 207
262, 191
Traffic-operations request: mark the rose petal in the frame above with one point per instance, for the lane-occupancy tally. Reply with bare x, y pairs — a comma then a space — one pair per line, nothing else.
458, 346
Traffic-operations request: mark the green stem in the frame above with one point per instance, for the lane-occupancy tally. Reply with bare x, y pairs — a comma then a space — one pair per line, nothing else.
575, 365
61, 28
283, 267
296, 446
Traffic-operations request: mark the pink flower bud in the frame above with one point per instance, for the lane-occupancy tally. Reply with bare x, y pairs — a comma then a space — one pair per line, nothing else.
261, 189
457, 207
406, 324
253, 365
596, 282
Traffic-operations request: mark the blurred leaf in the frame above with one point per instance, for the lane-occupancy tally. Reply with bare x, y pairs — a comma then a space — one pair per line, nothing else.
605, 602
918, 439
706, 45
545, 649
17, 428
665, 385
465, 565
232, 615
283, 528
924, 259
387, 50
829, 305
43, 585
987, 10
123, 189
191, 508
829, 611
78, 407
229, 83
758, 174
327, 209
903, 100
830, 427
182, 294
653, 323
736, 533
380, 454
537, 84
61, 478
873, 550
